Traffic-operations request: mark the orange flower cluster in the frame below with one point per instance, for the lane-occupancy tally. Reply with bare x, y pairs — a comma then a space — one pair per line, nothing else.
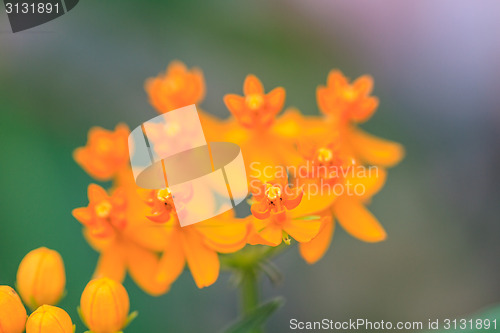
318, 170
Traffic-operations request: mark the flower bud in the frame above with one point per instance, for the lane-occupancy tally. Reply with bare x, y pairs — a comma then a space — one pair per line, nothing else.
104, 306
49, 319
12, 311
41, 278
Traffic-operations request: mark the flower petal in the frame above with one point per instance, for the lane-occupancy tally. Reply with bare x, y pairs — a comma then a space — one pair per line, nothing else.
374, 150
363, 85
252, 85
176, 67
234, 103
321, 99
82, 214
222, 230
293, 197
357, 220
302, 230
96, 193
371, 181
272, 234
313, 203
202, 261
336, 79
172, 261
152, 237
143, 268
260, 210
314, 250
112, 263
225, 248
276, 99
364, 109
159, 217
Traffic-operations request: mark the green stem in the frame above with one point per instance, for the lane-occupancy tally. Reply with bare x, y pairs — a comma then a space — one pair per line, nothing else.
250, 292
247, 265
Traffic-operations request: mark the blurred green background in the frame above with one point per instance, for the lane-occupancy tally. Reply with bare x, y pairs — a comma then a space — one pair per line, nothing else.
436, 73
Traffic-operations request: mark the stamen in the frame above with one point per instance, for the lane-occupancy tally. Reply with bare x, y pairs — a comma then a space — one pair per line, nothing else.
164, 194
350, 94
103, 209
324, 155
104, 145
273, 192
254, 101
174, 83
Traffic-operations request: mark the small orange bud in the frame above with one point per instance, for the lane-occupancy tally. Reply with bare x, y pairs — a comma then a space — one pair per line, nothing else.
41, 278
104, 306
12, 311
49, 319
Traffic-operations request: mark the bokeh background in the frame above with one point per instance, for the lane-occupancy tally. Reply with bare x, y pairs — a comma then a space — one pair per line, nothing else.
437, 73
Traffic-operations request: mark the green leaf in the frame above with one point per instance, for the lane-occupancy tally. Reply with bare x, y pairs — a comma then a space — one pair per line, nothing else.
309, 217
256, 318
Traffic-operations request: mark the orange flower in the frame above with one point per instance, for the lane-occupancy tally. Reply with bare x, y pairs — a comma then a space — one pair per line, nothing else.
347, 102
263, 141
162, 203
49, 319
353, 186
105, 213
256, 109
104, 306
272, 220
176, 88
321, 174
274, 198
106, 152
41, 278
197, 246
323, 162
116, 226
12, 311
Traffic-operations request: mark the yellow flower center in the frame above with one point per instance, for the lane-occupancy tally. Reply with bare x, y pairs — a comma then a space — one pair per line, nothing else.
273, 192
164, 194
103, 209
174, 83
324, 155
254, 101
104, 145
350, 94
